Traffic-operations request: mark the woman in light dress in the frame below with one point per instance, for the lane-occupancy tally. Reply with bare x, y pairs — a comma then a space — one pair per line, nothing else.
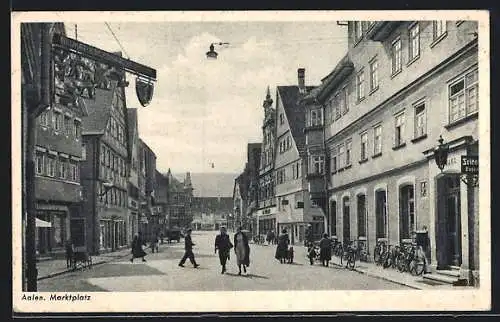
242, 250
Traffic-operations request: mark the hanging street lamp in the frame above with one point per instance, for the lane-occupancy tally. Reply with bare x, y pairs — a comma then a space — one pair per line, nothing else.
211, 53
441, 154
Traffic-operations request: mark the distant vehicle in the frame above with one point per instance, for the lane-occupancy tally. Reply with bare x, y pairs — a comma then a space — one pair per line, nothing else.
174, 234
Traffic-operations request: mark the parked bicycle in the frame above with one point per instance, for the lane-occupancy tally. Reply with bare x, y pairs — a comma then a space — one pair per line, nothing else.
349, 255
410, 260
380, 252
391, 257
337, 249
361, 250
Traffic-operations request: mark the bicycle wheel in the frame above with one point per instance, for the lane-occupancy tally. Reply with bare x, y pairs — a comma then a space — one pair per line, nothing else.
402, 265
417, 266
387, 261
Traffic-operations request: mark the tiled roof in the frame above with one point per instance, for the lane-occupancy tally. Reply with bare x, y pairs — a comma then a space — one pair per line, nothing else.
99, 110
295, 114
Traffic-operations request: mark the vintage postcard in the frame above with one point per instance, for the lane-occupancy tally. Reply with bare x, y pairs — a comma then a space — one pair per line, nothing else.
270, 161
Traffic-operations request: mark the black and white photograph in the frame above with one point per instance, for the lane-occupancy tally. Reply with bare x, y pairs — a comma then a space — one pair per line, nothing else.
250, 161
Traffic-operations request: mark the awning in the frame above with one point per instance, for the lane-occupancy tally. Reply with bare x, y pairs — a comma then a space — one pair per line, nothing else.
42, 223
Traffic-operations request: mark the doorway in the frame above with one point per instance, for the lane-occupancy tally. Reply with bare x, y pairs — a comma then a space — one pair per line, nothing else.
406, 212
361, 216
333, 218
381, 214
346, 220
449, 241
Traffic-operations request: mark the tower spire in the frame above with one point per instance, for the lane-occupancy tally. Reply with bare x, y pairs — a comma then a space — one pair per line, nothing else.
268, 101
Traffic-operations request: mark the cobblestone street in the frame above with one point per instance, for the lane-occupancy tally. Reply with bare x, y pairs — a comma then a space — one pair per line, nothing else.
161, 273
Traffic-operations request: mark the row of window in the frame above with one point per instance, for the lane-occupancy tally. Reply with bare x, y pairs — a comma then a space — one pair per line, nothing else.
281, 174
56, 166
285, 144
113, 197
407, 217
463, 101
296, 202
339, 104
61, 123
113, 161
267, 157
117, 130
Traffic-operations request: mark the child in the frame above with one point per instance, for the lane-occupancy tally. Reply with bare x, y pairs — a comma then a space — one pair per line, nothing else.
311, 253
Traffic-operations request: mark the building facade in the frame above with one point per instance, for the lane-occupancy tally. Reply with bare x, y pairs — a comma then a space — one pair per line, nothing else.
180, 199
265, 214
296, 210
245, 192
147, 171
210, 213
401, 86
58, 153
136, 179
106, 149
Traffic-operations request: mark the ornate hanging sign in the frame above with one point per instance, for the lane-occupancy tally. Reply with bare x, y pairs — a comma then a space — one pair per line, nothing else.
79, 69
144, 90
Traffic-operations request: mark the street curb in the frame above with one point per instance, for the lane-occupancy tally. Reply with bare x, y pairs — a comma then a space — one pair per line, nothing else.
70, 270
381, 277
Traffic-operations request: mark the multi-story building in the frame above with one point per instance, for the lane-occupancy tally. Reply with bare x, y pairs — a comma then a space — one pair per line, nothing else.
161, 202
147, 172
265, 215
245, 192
104, 168
58, 153
136, 180
295, 208
180, 198
209, 213
401, 86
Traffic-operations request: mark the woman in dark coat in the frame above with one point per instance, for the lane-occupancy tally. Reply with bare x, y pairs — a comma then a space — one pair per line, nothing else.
242, 250
137, 250
325, 250
282, 248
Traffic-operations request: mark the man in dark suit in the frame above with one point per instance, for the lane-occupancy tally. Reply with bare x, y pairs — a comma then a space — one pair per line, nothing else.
188, 250
223, 244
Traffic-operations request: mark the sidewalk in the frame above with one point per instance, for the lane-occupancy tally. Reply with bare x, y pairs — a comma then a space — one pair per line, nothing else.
54, 267
393, 275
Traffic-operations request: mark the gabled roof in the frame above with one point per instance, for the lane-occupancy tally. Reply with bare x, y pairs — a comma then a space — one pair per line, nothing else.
99, 110
295, 114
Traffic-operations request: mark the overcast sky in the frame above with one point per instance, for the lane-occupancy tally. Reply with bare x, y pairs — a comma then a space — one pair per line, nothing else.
206, 111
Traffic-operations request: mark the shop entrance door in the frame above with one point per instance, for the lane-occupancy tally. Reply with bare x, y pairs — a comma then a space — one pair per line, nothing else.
449, 241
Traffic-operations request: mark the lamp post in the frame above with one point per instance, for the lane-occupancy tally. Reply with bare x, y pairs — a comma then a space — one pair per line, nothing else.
211, 53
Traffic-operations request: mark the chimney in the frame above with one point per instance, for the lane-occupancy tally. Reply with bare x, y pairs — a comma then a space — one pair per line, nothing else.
301, 78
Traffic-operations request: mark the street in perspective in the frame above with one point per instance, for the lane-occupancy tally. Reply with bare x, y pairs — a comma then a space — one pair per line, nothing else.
259, 155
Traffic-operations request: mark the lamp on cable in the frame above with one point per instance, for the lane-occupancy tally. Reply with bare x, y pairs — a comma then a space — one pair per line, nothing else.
211, 53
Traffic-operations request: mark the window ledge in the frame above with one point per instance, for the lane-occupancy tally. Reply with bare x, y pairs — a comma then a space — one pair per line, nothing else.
312, 128
438, 39
461, 121
373, 90
458, 23
333, 172
377, 155
363, 161
341, 170
420, 138
412, 60
402, 145
396, 73
314, 175
348, 166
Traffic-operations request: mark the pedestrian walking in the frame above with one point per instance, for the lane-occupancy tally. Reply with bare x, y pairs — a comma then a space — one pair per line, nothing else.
282, 248
137, 250
242, 250
154, 244
223, 245
70, 254
188, 250
311, 253
325, 250
161, 237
